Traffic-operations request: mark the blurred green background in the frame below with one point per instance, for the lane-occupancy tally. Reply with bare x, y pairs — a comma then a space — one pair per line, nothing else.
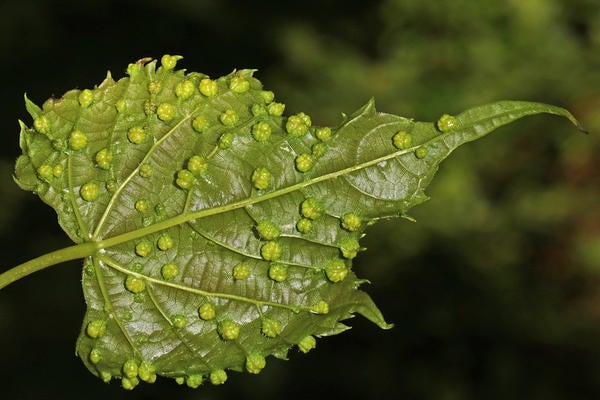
495, 291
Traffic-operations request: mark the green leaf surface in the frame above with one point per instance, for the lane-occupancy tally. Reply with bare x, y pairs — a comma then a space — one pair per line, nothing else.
217, 231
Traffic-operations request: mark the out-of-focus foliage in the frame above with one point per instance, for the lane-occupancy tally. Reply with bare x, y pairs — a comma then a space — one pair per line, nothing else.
494, 295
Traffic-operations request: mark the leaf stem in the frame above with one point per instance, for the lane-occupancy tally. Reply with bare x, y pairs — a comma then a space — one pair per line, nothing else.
39, 263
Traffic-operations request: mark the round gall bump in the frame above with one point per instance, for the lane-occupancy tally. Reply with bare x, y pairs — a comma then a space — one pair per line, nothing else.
45, 172
136, 134
95, 356
268, 96
271, 327
307, 343
239, 84
129, 383
207, 311
57, 171
42, 125
86, 97
241, 271
208, 87
446, 123
278, 272
178, 321
402, 140
336, 270
310, 208
95, 328
147, 372
154, 87
169, 271
197, 165
304, 162
323, 133
349, 248
89, 191
218, 377
267, 230
121, 106
319, 149
169, 62
276, 109
194, 381
185, 89
130, 369
304, 225
226, 140
104, 158
180, 380
200, 124
270, 251
321, 307
228, 330
296, 125
165, 112
141, 205
145, 171
258, 110
135, 285
255, 363
261, 131
143, 248
134, 69
78, 140
351, 222
185, 179
261, 178
229, 118
421, 152
165, 242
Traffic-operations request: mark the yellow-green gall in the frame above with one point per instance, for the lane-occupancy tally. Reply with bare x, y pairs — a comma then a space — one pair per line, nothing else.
111, 185
402, 140
134, 69
95, 328
226, 140
349, 248
207, 311
141, 205
169, 62
165, 112
89, 191
136, 134
194, 381
57, 171
149, 107
261, 131
185, 179
323, 133
241, 271
304, 162
154, 87
276, 109
239, 84
200, 124
143, 248
169, 271
78, 140
185, 89
178, 321
255, 363
218, 377
421, 152
42, 125
45, 172
95, 356
307, 343
310, 208
271, 251
268, 96
336, 270
197, 165
270, 327
105, 376
319, 149
258, 110
208, 87
228, 329
86, 97
134, 284
130, 368
446, 123
104, 158
320, 307
297, 125
180, 380
278, 272
351, 222
267, 230
261, 178
304, 225
146, 170
147, 372
165, 242
229, 118
129, 383
121, 106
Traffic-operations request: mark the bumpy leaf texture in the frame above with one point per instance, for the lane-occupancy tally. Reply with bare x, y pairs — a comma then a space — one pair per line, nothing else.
224, 231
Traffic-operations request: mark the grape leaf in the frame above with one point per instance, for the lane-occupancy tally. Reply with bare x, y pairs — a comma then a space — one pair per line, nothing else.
217, 231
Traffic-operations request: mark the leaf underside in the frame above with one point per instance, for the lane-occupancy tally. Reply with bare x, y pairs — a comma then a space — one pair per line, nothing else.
225, 230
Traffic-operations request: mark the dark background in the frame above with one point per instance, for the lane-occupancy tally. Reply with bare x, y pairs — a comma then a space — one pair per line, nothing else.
495, 292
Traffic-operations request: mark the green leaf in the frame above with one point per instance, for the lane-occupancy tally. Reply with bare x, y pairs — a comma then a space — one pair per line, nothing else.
217, 232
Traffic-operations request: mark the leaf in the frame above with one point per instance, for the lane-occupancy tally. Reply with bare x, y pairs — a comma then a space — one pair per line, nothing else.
217, 232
